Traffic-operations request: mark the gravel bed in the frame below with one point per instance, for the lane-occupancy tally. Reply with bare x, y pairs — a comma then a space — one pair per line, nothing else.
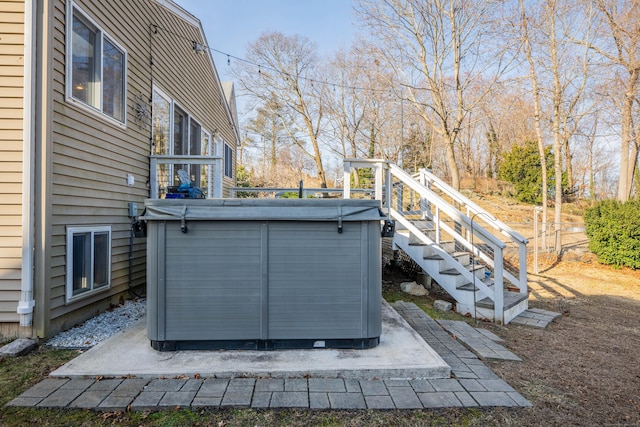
100, 327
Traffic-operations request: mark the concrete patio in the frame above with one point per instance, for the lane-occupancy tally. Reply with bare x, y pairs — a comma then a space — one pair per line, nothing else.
403, 372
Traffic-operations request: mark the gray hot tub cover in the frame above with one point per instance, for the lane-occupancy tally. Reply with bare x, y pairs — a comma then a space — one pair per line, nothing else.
262, 209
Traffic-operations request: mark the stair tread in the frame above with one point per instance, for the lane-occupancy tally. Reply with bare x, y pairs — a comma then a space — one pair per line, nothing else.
469, 286
510, 299
454, 272
439, 257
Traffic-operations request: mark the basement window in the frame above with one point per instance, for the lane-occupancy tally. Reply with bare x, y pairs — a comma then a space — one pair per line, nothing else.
88, 261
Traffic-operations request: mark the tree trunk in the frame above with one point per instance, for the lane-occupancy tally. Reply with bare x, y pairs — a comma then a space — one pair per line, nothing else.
453, 166
536, 106
624, 182
557, 137
568, 168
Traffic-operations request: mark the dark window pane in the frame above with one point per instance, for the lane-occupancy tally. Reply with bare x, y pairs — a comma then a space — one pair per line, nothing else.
195, 142
83, 63
81, 263
161, 110
101, 259
228, 161
180, 144
113, 81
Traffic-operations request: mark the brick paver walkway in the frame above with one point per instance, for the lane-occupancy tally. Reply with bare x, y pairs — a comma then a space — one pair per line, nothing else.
473, 385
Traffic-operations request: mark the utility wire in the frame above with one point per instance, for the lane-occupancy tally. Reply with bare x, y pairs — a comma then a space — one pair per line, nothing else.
260, 67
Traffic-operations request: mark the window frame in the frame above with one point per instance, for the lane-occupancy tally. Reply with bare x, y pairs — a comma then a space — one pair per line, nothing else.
71, 232
96, 104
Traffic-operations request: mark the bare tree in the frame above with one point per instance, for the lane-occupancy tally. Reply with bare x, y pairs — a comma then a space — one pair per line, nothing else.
559, 74
437, 49
533, 76
288, 74
622, 21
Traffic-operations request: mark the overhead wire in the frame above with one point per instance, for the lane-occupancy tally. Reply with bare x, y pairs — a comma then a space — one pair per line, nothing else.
263, 67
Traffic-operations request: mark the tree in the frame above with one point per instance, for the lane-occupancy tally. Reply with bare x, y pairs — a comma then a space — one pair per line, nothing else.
521, 166
622, 22
289, 76
559, 74
436, 48
533, 76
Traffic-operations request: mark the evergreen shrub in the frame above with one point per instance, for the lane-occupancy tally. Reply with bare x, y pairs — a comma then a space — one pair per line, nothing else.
614, 232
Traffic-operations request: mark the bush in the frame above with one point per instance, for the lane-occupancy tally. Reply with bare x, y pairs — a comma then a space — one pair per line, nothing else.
522, 167
614, 232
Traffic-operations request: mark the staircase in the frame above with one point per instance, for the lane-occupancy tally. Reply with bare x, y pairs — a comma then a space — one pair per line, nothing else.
456, 242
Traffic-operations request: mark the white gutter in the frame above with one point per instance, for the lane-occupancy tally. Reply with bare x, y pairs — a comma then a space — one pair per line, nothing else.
26, 303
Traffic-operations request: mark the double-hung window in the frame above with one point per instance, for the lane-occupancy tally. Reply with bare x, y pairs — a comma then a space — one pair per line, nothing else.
89, 260
96, 67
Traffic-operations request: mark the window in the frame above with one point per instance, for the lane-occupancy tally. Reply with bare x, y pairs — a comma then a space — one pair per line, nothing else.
96, 69
228, 161
176, 132
89, 260
161, 122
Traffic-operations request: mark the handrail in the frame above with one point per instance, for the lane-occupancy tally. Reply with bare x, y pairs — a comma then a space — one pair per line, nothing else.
521, 241
460, 198
486, 291
444, 206
444, 201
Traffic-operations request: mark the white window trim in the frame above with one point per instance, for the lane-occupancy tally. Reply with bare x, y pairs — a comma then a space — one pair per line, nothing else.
218, 146
69, 66
69, 297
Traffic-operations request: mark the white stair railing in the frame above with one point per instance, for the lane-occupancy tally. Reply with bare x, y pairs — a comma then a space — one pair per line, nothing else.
410, 201
428, 179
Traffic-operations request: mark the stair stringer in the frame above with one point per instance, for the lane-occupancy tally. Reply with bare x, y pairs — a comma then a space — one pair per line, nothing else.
450, 283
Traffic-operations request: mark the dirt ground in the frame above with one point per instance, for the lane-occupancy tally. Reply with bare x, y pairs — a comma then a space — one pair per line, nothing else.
584, 369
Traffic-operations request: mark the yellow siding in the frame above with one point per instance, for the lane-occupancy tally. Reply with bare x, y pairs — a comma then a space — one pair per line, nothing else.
11, 112
92, 156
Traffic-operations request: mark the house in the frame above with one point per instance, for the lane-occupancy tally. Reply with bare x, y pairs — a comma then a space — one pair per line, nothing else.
92, 95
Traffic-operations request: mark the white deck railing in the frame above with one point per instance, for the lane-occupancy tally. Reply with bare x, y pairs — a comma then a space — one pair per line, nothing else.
214, 173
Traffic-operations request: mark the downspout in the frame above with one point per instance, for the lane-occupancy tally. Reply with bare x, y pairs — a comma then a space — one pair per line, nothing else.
42, 116
26, 303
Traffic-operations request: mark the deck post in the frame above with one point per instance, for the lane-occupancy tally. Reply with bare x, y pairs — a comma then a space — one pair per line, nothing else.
522, 249
378, 192
153, 177
388, 190
218, 177
498, 286
346, 180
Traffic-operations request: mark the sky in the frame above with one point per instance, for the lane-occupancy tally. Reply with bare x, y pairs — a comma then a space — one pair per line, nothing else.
230, 25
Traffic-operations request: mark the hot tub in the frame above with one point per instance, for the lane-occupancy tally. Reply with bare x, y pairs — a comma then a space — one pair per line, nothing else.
263, 273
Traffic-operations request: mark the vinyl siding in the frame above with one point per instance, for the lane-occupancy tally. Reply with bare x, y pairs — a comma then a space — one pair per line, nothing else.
11, 112
92, 155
